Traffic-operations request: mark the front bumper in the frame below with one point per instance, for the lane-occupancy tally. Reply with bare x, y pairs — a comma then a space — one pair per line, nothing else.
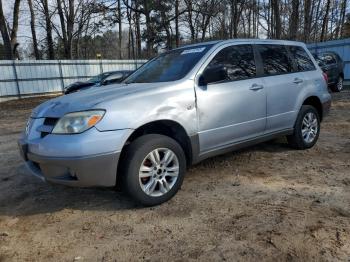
72, 159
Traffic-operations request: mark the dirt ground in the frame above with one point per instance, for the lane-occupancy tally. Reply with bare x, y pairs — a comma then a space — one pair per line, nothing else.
267, 202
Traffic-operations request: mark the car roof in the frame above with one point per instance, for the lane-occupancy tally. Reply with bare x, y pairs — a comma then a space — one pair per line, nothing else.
237, 40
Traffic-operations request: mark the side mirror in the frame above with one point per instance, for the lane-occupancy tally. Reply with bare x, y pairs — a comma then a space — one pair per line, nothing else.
213, 74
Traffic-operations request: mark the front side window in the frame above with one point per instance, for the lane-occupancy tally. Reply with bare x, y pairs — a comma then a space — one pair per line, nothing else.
301, 58
275, 59
238, 60
170, 66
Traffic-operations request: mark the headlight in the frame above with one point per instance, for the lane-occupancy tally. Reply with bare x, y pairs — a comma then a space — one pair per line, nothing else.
78, 122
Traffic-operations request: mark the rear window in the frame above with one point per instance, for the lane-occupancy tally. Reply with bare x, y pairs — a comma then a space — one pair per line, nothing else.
275, 59
327, 59
301, 58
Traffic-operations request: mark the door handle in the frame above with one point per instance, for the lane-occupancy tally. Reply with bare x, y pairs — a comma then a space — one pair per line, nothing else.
298, 81
255, 87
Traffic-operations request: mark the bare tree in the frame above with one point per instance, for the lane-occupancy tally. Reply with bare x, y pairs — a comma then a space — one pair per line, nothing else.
66, 14
120, 29
325, 21
294, 20
48, 29
5, 34
9, 36
32, 28
78, 28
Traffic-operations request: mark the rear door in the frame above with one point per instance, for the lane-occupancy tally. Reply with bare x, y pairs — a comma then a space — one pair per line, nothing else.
232, 110
282, 86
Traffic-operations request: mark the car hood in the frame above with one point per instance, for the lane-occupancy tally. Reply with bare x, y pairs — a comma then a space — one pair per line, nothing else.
89, 99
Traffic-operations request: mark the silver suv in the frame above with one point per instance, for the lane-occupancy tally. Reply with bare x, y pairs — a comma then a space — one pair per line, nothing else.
179, 108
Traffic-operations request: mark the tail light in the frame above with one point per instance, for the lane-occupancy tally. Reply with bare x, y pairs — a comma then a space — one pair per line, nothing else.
325, 76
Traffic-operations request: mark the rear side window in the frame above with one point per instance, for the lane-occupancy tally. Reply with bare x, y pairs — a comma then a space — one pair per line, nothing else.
275, 59
301, 58
239, 61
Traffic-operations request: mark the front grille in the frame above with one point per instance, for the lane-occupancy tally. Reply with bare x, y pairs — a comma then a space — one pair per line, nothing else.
50, 121
47, 127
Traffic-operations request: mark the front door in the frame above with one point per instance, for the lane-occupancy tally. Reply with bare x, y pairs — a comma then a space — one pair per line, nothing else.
234, 109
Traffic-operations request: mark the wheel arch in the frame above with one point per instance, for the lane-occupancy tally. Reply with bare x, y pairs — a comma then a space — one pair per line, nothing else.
168, 128
316, 103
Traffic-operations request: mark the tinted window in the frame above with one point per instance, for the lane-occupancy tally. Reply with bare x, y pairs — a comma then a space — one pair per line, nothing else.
170, 66
239, 61
301, 58
275, 59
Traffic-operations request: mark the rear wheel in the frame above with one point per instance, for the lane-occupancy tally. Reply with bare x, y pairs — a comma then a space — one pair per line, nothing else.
306, 129
339, 85
154, 169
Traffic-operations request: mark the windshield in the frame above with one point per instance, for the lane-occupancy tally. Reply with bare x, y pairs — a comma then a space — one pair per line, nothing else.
170, 66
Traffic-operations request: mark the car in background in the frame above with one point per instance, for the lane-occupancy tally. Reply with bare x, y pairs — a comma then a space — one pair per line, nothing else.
331, 64
106, 78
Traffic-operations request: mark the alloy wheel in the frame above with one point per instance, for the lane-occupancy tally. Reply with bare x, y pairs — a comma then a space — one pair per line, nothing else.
340, 84
159, 172
309, 127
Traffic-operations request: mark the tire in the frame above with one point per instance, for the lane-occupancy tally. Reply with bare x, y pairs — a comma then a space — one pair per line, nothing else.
159, 177
338, 87
311, 133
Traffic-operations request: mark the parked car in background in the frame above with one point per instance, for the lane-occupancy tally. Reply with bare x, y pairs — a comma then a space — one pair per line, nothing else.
106, 78
179, 108
333, 66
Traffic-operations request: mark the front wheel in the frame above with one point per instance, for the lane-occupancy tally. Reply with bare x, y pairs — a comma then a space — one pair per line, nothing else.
154, 169
306, 129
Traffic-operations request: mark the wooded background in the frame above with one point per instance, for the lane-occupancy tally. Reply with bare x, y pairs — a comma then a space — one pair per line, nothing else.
130, 29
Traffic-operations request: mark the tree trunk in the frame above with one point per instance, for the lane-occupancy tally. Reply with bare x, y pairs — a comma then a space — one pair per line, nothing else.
67, 26
148, 29
5, 35
32, 27
120, 29
307, 20
235, 18
277, 18
177, 36
325, 21
63, 25
70, 28
294, 20
138, 35
131, 46
190, 20
342, 20
51, 52
14, 30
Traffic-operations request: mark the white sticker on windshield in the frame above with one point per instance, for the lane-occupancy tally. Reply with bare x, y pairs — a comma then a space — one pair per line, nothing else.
194, 50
